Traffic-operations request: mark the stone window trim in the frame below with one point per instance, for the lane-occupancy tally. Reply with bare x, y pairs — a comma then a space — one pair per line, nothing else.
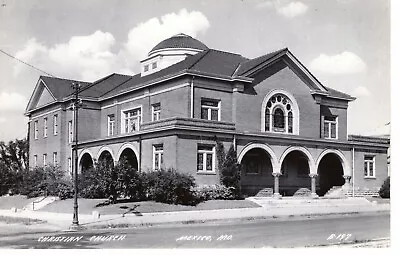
155, 111
210, 105
158, 156
330, 121
138, 117
291, 115
206, 152
369, 160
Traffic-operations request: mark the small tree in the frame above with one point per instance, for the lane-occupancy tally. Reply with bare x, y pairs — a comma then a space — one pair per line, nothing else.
230, 171
384, 191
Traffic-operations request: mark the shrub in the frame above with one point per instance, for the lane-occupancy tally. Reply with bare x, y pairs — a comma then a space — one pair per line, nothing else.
169, 186
214, 192
46, 181
107, 181
384, 191
230, 172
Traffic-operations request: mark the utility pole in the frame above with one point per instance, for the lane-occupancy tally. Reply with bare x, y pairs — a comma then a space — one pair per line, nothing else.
75, 106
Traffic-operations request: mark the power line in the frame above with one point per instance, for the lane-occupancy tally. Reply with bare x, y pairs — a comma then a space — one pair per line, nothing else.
23, 62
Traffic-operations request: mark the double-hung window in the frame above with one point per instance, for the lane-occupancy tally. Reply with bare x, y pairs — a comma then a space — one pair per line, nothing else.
210, 109
70, 132
158, 156
369, 166
55, 124
55, 162
36, 130
110, 124
330, 127
205, 159
45, 127
44, 159
131, 120
156, 112
70, 165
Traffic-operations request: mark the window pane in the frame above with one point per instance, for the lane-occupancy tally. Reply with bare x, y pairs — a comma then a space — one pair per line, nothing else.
333, 130
209, 103
204, 113
371, 169
209, 162
290, 122
365, 168
267, 117
214, 114
326, 129
279, 121
200, 161
156, 161
161, 159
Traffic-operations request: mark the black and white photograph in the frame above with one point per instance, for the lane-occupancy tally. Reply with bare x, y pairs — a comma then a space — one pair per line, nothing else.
176, 124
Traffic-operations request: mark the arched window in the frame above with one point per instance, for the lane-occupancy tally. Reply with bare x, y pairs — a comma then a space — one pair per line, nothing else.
279, 114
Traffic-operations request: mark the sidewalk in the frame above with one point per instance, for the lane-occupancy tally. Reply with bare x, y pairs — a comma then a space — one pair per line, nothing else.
277, 209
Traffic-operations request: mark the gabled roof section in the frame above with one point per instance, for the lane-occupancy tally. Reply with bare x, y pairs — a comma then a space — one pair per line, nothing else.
104, 85
209, 62
60, 88
250, 64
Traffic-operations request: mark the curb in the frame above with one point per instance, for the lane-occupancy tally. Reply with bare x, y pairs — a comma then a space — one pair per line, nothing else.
241, 219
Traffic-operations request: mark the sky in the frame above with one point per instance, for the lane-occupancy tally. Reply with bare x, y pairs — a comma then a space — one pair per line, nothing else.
344, 43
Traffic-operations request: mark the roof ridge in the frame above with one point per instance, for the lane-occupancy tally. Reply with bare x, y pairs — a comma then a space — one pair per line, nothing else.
228, 52
197, 61
64, 79
130, 78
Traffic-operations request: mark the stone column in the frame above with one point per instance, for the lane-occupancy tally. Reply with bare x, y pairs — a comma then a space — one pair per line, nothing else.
347, 185
276, 185
313, 193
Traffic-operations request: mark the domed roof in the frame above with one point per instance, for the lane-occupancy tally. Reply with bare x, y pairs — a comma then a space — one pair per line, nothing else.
180, 41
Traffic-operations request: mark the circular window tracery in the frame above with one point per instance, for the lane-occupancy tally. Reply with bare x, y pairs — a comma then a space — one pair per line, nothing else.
279, 114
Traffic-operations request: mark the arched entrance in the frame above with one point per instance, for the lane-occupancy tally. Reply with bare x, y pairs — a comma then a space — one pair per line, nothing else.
295, 170
330, 173
256, 171
85, 163
106, 158
128, 156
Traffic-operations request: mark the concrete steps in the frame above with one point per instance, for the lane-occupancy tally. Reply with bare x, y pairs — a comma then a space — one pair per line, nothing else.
40, 202
306, 202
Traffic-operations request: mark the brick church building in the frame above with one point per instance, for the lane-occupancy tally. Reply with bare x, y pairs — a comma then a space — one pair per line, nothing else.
288, 129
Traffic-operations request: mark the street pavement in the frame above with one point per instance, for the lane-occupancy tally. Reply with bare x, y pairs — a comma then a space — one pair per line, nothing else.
307, 231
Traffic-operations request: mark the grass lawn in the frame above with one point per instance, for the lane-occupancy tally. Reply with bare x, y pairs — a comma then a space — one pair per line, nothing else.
17, 201
25, 221
86, 206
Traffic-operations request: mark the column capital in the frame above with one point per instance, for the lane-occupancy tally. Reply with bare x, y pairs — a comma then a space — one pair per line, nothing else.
276, 174
347, 177
313, 175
